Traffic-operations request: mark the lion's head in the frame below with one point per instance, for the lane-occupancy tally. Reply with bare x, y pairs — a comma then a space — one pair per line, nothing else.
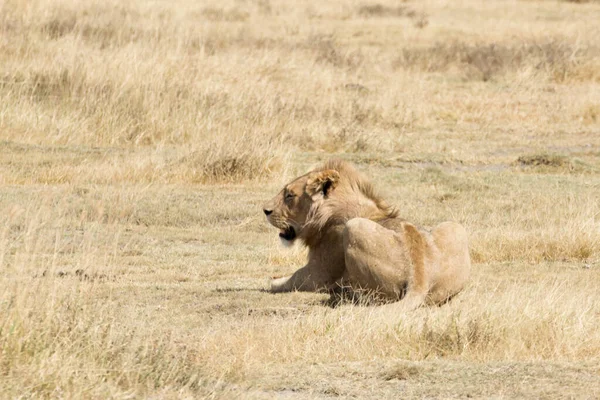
329, 195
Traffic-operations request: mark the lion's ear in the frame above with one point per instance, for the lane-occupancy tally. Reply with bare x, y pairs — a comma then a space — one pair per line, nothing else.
323, 181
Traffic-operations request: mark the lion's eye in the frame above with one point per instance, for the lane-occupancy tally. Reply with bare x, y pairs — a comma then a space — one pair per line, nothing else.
289, 196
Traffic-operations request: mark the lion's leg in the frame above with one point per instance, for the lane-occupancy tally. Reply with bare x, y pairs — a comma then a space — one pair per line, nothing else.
392, 263
377, 259
410, 302
279, 285
306, 279
418, 251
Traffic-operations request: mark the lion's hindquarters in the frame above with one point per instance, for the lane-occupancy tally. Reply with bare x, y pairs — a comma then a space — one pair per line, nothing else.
375, 260
435, 265
455, 263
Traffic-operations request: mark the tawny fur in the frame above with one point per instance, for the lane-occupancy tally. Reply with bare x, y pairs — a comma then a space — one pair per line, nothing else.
356, 239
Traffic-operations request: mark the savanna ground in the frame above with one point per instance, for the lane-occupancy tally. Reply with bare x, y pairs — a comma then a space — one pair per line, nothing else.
139, 139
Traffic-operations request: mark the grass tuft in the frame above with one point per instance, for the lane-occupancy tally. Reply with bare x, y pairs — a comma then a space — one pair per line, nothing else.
401, 372
552, 160
379, 10
559, 60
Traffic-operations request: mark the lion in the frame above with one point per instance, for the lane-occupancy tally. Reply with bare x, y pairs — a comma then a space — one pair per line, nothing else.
356, 240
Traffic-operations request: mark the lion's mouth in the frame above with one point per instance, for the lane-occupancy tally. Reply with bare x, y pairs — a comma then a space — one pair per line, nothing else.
288, 234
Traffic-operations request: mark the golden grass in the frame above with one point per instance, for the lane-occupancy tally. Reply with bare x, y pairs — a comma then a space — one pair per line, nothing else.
556, 59
138, 141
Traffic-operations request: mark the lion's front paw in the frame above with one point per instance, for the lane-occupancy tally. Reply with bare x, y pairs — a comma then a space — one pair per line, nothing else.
280, 284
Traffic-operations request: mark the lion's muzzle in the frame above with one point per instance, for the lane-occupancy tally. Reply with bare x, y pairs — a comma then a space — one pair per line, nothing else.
288, 234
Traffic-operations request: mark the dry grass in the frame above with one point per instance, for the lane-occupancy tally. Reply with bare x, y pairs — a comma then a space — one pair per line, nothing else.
556, 59
138, 141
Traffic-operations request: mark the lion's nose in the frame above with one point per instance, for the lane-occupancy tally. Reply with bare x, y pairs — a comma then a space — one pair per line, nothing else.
267, 212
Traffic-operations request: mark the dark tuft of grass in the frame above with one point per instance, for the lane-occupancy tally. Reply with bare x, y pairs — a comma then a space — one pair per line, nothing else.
379, 10
552, 160
553, 163
486, 61
231, 165
401, 372
328, 51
